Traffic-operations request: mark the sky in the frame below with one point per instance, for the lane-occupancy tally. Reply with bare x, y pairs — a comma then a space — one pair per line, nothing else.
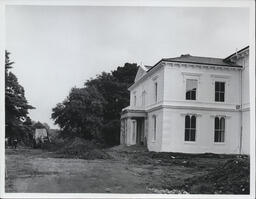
58, 47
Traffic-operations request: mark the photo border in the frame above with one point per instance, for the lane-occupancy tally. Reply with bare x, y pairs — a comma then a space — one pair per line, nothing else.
145, 3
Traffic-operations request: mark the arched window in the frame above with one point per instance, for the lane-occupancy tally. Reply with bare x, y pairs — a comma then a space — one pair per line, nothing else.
143, 98
155, 91
134, 100
190, 128
219, 129
154, 127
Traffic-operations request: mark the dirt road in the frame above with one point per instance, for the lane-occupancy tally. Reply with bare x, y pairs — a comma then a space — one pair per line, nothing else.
35, 170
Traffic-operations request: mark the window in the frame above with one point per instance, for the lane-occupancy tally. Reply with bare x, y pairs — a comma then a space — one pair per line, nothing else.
155, 91
191, 87
143, 98
133, 130
134, 99
190, 128
219, 91
154, 127
219, 129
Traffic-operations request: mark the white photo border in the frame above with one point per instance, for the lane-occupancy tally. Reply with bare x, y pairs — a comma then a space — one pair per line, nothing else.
150, 3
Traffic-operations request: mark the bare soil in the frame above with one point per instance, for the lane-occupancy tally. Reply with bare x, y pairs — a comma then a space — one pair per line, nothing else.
129, 170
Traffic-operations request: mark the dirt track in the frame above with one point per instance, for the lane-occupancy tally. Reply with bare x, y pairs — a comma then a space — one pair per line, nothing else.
30, 170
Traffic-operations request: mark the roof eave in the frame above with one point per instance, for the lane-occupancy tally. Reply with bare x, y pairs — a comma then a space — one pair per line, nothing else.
227, 58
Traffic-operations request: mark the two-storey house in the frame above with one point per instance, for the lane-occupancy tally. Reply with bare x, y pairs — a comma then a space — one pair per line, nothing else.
190, 104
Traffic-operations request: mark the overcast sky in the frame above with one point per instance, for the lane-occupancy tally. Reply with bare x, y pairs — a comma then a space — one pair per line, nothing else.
56, 48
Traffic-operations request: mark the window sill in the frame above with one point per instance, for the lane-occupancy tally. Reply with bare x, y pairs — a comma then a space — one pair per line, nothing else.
219, 143
189, 142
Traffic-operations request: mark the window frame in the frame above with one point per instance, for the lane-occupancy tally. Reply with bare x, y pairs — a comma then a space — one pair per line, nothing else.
190, 128
196, 91
154, 128
155, 91
219, 92
220, 130
143, 100
134, 99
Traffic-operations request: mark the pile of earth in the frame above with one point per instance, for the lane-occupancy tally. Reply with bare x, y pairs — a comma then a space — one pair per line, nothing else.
183, 159
80, 148
232, 177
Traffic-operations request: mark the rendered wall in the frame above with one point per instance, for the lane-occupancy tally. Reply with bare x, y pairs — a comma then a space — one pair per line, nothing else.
155, 145
246, 132
244, 61
148, 86
174, 132
175, 84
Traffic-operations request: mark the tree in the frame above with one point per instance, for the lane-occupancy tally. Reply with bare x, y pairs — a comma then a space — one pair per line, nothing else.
17, 121
114, 88
94, 110
81, 113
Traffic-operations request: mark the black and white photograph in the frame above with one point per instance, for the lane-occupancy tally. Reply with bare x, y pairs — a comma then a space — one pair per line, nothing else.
128, 99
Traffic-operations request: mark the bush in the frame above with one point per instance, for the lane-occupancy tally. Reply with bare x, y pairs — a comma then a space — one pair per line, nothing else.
81, 148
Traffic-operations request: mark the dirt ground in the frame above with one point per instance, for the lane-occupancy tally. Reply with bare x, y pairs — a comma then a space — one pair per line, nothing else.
36, 170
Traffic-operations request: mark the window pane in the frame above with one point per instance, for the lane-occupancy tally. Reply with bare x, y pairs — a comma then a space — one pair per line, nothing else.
193, 95
191, 86
193, 122
188, 95
154, 127
217, 98
217, 123
221, 97
187, 121
186, 134
156, 91
217, 86
193, 135
222, 86
222, 124
215, 136
222, 136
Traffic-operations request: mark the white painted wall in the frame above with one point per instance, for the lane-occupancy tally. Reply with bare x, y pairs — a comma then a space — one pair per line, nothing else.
175, 84
148, 86
155, 145
174, 132
172, 107
246, 132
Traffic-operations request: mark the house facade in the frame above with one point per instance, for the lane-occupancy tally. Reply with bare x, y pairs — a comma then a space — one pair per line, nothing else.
190, 104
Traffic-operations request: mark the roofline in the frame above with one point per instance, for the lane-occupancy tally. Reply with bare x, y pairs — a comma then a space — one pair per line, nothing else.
146, 73
164, 60
236, 53
234, 66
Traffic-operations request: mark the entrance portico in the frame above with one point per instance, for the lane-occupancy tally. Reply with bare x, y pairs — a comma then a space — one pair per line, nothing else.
133, 128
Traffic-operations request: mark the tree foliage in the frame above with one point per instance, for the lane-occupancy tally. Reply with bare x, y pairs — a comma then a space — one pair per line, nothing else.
81, 112
94, 110
17, 121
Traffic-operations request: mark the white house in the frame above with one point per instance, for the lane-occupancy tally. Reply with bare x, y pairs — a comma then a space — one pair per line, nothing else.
190, 104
